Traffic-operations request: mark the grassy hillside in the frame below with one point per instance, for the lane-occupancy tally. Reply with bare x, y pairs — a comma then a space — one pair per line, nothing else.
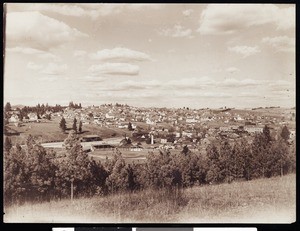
49, 131
258, 201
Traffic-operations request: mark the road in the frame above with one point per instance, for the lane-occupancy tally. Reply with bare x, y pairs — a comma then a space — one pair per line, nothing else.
85, 145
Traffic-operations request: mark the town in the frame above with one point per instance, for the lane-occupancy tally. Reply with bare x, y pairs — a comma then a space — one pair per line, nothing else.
137, 129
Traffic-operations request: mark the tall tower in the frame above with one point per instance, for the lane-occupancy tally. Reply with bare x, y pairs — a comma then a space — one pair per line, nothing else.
152, 140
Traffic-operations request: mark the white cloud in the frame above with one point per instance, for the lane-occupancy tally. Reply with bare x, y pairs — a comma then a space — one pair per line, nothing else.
79, 53
134, 85
244, 50
32, 51
177, 31
230, 18
34, 66
87, 9
232, 69
55, 69
120, 54
187, 12
114, 69
33, 29
90, 78
239, 83
281, 43
191, 82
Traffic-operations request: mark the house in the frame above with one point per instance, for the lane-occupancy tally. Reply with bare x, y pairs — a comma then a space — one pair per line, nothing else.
191, 120
136, 148
292, 134
32, 117
253, 129
224, 129
148, 121
14, 119
163, 141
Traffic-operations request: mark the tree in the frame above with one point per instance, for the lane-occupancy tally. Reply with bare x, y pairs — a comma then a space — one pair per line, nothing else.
71, 104
7, 107
285, 133
74, 127
75, 168
185, 150
267, 133
130, 126
80, 127
7, 144
62, 124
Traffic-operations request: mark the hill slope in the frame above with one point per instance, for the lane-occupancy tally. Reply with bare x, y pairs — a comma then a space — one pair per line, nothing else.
259, 201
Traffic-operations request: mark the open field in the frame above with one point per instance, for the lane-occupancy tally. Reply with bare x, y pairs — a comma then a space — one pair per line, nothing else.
259, 201
49, 131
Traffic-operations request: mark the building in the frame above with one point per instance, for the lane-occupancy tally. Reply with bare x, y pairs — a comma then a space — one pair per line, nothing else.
14, 119
253, 129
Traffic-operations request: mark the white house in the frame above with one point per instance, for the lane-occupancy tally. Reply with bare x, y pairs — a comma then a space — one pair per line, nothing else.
253, 129
32, 117
13, 119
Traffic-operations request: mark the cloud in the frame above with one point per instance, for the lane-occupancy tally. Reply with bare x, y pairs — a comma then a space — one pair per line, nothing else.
230, 18
34, 66
33, 29
232, 69
32, 51
187, 12
198, 83
94, 79
177, 32
281, 43
134, 85
114, 69
55, 69
239, 83
90, 10
244, 50
79, 53
120, 54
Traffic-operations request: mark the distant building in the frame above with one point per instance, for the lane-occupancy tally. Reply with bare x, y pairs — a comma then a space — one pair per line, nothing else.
163, 141
253, 129
13, 119
32, 117
90, 138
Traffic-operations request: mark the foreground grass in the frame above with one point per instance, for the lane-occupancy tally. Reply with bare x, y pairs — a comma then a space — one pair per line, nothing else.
258, 201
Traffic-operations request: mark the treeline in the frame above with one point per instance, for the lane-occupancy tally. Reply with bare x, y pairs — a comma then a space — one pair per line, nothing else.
33, 173
39, 110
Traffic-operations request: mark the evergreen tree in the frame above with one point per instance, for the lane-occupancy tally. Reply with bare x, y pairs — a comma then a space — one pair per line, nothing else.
80, 127
7, 107
267, 133
185, 150
130, 127
285, 133
74, 169
62, 124
214, 166
7, 144
74, 127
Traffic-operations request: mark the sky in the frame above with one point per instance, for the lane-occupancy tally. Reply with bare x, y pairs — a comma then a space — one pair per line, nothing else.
150, 55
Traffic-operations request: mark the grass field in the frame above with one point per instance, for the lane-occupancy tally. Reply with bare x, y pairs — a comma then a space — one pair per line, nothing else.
259, 201
48, 131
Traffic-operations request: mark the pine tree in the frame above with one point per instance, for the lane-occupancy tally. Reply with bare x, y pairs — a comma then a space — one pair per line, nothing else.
7, 107
130, 127
285, 133
74, 127
80, 127
62, 124
7, 144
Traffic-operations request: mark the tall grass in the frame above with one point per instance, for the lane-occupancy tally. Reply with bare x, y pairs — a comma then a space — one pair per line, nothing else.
263, 200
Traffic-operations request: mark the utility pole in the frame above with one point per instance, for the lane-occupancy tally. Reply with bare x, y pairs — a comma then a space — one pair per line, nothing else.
72, 189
